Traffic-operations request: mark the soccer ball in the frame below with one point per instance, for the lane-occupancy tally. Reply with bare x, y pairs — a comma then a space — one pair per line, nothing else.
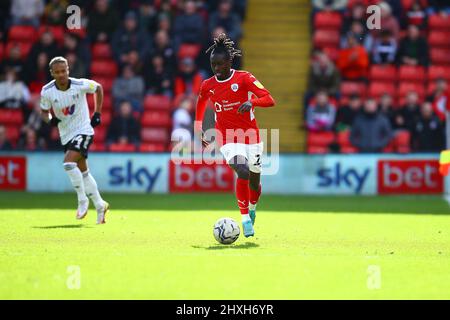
226, 231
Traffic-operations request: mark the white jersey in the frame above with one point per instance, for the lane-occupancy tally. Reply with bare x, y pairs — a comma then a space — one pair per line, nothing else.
70, 107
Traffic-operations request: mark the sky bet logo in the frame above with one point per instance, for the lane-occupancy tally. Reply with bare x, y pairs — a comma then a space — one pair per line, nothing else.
339, 177
130, 176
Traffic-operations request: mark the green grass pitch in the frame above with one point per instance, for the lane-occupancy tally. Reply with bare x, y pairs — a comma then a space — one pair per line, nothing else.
162, 247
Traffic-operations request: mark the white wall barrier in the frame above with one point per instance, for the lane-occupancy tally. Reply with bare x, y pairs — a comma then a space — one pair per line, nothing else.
297, 174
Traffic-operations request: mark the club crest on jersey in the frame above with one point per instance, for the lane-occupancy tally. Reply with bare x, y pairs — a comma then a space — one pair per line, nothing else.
234, 87
68, 110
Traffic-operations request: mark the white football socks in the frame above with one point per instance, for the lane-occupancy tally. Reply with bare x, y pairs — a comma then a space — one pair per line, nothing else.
251, 206
92, 190
76, 178
245, 217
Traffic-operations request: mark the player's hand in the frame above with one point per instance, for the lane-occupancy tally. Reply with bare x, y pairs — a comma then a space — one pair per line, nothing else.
96, 119
245, 107
54, 121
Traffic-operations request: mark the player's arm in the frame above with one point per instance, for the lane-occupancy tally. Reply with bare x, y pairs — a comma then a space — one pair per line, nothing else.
263, 97
46, 116
199, 114
93, 87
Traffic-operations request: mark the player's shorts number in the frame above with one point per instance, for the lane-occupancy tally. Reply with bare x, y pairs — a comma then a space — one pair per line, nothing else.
77, 141
258, 160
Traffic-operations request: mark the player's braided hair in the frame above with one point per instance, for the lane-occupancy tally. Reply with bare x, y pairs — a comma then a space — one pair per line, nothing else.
225, 44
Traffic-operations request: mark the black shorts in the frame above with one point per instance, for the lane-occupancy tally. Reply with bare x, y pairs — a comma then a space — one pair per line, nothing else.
80, 143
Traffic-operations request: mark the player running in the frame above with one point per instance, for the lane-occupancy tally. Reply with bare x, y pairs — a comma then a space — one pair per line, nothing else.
67, 98
235, 95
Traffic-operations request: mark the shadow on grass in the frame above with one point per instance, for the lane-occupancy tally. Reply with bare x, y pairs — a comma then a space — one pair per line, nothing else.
247, 245
66, 226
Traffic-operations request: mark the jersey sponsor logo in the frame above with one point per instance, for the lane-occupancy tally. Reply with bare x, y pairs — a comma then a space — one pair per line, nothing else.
409, 176
258, 84
235, 87
68, 110
200, 177
130, 176
340, 177
13, 173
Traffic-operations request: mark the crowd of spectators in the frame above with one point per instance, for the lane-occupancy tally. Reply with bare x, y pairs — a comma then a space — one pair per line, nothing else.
153, 48
378, 90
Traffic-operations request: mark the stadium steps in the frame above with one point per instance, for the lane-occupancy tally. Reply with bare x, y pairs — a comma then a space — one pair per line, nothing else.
276, 49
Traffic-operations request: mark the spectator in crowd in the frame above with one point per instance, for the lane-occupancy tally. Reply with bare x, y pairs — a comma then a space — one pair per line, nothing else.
428, 131
388, 22
102, 21
371, 130
55, 12
27, 12
416, 15
441, 7
28, 141
323, 75
330, 5
227, 19
72, 44
130, 44
39, 75
5, 145
164, 23
129, 87
386, 107
357, 14
163, 48
407, 115
384, 48
353, 61
34, 122
182, 123
77, 67
124, 128
5, 8
13, 92
47, 45
13, 61
358, 30
148, 17
413, 49
188, 26
188, 80
440, 99
347, 113
320, 113
157, 78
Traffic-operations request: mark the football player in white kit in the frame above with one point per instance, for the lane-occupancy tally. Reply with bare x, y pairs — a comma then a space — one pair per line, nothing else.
67, 98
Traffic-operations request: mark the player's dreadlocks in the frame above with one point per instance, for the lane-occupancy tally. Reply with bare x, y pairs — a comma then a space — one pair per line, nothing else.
224, 44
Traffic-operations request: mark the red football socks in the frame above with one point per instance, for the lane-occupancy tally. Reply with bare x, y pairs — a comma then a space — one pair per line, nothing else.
254, 195
242, 195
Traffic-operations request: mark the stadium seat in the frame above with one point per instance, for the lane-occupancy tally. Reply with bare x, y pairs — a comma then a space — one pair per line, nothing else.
106, 83
439, 22
156, 102
11, 117
377, 89
407, 4
438, 38
440, 56
25, 48
351, 87
156, 119
436, 72
80, 32
326, 38
349, 149
406, 87
390, 148
2, 51
122, 147
332, 53
152, 147
317, 150
411, 74
327, 20
402, 142
57, 31
100, 133
107, 102
321, 139
187, 50
155, 135
383, 73
97, 147
22, 34
343, 138
13, 133
101, 51
107, 68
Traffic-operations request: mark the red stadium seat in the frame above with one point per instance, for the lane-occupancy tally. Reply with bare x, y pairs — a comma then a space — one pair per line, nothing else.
22, 34
188, 51
436, 72
402, 141
343, 138
80, 32
97, 147
155, 135
383, 73
2, 51
100, 133
122, 147
101, 51
406, 87
349, 149
106, 83
326, 38
411, 74
57, 31
25, 48
107, 68
377, 89
437, 21
152, 147
156, 119
156, 102
327, 20
322, 139
12, 133
351, 3
332, 53
440, 56
11, 117
349, 88
317, 150
438, 38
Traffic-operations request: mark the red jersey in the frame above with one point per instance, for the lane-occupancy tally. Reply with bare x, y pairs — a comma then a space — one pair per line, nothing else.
227, 96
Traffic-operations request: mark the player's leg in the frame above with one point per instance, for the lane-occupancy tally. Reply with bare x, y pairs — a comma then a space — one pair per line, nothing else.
90, 186
254, 154
71, 159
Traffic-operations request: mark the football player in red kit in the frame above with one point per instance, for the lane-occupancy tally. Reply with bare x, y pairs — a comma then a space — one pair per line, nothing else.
235, 94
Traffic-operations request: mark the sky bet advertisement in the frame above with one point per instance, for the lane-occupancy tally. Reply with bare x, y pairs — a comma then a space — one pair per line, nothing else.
296, 174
